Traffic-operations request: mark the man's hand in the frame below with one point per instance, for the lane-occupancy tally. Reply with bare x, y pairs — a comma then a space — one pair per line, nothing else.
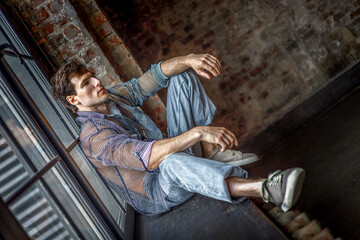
218, 135
203, 64
164, 147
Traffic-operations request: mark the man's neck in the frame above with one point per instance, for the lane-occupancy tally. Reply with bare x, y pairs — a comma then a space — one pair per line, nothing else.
102, 108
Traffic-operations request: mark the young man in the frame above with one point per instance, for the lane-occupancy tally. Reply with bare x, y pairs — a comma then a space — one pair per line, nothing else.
152, 173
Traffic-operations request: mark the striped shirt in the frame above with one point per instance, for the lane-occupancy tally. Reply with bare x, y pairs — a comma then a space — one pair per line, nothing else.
118, 145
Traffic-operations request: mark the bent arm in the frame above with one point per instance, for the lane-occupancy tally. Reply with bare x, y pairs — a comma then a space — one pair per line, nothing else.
218, 135
203, 64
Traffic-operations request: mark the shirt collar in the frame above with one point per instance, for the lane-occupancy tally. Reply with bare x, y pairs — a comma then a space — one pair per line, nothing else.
90, 114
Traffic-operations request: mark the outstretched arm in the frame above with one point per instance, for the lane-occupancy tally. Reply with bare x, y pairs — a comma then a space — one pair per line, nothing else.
203, 64
218, 135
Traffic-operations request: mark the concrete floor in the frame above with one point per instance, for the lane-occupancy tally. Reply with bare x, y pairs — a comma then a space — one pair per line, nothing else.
328, 148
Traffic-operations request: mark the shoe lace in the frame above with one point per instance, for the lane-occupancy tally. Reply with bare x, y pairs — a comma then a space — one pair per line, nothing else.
275, 179
232, 152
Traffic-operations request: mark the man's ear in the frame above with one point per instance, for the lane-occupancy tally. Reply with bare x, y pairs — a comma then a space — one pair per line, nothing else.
72, 99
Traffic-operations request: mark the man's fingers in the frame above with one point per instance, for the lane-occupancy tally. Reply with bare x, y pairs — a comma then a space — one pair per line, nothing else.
221, 136
233, 137
204, 64
211, 67
229, 140
202, 73
223, 147
214, 61
226, 140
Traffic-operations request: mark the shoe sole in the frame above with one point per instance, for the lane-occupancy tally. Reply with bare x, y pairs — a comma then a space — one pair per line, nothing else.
293, 188
248, 158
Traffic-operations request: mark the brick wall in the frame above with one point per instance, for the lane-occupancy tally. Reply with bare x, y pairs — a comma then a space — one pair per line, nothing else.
78, 29
274, 54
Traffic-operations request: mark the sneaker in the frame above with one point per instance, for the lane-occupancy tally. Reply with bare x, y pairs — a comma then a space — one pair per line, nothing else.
233, 157
283, 187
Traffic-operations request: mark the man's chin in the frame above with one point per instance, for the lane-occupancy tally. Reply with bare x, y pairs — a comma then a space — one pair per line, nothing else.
105, 96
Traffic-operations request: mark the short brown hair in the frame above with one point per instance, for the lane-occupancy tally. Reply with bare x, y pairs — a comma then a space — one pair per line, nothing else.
61, 85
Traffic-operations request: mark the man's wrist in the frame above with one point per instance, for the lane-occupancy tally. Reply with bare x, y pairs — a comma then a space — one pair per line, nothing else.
184, 60
196, 133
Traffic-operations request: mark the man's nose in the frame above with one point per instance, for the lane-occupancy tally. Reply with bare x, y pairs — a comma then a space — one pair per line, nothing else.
97, 82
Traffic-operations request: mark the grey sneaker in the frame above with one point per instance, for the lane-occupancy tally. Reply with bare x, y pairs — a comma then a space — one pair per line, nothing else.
233, 157
283, 187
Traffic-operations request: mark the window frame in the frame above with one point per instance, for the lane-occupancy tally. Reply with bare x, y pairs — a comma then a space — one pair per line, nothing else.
63, 154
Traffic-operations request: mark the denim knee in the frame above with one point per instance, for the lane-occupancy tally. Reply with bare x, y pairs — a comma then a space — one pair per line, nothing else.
187, 78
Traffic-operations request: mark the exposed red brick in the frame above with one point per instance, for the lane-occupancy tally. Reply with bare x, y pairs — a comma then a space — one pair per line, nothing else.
65, 52
98, 18
107, 79
46, 28
89, 55
60, 19
55, 6
25, 15
71, 31
36, 3
111, 77
119, 54
111, 41
91, 7
127, 69
72, 47
104, 30
56, 41
42, 41
40, 15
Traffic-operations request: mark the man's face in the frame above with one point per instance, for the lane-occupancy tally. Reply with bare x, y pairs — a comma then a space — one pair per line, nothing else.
89, 92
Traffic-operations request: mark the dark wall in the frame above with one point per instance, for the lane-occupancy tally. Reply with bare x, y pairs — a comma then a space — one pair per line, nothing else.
274, 54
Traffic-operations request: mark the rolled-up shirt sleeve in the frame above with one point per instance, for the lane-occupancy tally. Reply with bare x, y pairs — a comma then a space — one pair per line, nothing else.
114, 149
159, 76
138, 90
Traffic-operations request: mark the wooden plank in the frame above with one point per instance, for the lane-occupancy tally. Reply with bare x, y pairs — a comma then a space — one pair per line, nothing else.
206, 218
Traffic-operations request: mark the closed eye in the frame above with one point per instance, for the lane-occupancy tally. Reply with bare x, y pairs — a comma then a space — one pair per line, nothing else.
85, 82
87, 79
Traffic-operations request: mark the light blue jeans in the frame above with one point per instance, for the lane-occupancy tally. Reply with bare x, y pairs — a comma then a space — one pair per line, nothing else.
185, 173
